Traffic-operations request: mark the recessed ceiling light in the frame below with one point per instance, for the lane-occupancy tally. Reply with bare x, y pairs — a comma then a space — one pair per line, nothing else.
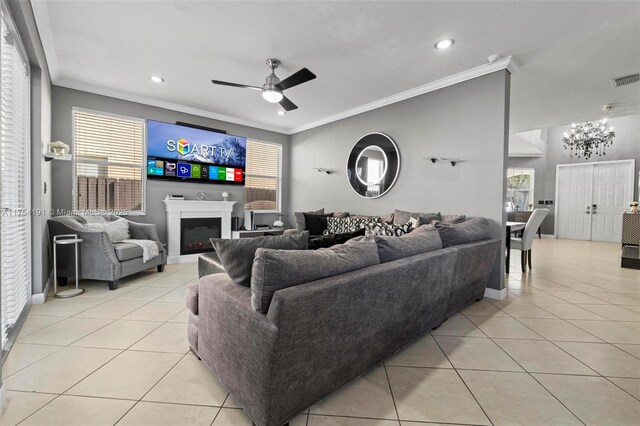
157, 79
281, 112
444, 44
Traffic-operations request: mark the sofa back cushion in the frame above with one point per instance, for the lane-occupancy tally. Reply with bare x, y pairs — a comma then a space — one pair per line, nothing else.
116, 230
275, 270
237, 255
453, 218
421, 240
469, 231
300, 223
401, 217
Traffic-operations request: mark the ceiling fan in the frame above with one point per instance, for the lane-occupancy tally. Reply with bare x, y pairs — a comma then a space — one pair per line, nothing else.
272, 88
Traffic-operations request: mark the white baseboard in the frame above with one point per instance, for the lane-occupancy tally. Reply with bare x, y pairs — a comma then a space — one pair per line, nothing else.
548, 236
3, 398
40, 298
492, 293
187, 258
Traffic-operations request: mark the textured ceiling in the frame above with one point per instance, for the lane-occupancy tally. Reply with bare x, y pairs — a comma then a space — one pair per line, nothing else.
361, 52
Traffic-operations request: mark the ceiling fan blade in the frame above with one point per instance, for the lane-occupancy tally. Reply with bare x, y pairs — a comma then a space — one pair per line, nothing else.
287, 104
294, 79
244, 86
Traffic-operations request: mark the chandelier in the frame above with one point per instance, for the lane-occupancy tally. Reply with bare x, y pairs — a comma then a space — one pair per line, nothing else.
589, 138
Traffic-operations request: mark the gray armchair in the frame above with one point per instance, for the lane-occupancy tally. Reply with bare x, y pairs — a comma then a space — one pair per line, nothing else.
99, 258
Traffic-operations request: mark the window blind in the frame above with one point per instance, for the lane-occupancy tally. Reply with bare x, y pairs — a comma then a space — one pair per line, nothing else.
15, 194
109, 162
262, 176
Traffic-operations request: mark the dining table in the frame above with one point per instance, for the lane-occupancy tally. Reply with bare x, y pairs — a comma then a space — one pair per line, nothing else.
511, 228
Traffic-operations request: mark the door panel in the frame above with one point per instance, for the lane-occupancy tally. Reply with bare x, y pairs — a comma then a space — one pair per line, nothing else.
614, 190
574, 195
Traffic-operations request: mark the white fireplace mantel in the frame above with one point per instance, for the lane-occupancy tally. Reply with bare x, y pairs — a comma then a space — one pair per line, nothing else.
187, 209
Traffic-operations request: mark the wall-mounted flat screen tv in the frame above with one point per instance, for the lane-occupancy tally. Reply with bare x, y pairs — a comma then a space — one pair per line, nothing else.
187, 154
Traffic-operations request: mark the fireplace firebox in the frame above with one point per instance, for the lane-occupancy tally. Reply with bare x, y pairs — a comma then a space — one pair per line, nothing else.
195, 234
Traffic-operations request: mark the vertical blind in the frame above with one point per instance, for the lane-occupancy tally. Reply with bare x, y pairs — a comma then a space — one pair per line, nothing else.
109, 162
15, 202
262, 176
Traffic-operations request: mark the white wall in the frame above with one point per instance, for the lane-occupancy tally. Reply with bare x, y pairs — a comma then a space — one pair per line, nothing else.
468, 121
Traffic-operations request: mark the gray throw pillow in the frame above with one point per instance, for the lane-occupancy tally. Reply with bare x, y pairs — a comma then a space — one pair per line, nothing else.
300, 223
453, 234
401, 216
388, 218
237, 255
420, 240
453, 218
275, 270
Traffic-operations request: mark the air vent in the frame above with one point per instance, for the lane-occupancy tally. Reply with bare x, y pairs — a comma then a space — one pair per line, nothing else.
616, 82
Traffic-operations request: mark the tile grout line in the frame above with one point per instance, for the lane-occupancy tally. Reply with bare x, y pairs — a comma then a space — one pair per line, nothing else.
220, 409
149, 390
393, 399
108, 361
465, 383
531, 375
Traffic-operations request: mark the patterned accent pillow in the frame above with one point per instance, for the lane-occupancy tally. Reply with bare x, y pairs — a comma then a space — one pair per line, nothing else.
389, 230
349, 224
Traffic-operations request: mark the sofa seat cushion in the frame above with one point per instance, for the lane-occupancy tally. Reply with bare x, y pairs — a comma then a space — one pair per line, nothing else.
237, 255
469, 231
275, 270
127, 251
421, 240
191, 297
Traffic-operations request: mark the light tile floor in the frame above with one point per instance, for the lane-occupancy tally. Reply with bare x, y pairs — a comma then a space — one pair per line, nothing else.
563, 348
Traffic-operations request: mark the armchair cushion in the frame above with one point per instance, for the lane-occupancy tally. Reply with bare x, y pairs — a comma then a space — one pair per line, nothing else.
127, 251
117, 230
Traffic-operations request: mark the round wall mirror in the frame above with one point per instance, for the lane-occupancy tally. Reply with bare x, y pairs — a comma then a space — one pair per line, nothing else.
373, 165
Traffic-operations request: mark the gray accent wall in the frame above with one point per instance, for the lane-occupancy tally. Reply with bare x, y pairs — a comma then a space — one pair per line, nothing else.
626, 146
64, 100
468, 121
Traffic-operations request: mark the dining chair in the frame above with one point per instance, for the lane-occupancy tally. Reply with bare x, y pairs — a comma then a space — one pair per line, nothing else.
525, 243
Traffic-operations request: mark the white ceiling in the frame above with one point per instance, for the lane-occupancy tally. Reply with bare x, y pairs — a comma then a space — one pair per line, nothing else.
360, 51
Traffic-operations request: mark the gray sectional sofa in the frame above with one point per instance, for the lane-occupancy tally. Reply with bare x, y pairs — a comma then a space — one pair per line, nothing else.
315, 336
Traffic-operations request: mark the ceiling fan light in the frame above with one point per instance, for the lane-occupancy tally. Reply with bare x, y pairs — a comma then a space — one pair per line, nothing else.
444, 44
272, 95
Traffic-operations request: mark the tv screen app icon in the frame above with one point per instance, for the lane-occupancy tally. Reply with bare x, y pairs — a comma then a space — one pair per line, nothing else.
195, 171
169, 168
155, 167
184, 170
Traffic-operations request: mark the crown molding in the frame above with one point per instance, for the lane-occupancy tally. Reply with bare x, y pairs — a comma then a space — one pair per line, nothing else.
510, 63
41, 15
166, 105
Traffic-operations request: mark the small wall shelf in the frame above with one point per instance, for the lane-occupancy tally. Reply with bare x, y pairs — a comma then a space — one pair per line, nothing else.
453, 161
65, 157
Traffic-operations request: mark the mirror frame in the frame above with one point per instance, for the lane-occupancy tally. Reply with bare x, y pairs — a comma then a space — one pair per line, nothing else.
395, 178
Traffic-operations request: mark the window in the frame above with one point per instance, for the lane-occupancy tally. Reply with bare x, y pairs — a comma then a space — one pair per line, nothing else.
15, 192
263, 176
520, 189
109, 163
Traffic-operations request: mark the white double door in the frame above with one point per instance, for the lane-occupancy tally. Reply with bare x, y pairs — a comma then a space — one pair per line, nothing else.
591, 198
